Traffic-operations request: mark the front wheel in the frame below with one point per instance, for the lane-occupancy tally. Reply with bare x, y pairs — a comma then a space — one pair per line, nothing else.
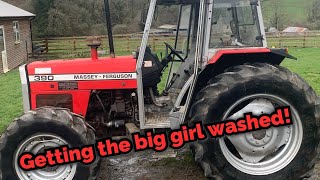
43, 129
276, 153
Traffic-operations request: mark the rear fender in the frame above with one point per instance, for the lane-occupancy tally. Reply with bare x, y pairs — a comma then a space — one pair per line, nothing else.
240, 56
227, 58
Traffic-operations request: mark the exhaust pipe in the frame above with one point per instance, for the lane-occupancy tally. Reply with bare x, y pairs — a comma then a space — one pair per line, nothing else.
109, 27
94, 43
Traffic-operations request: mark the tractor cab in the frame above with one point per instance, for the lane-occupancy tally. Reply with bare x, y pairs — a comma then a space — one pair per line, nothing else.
201, 29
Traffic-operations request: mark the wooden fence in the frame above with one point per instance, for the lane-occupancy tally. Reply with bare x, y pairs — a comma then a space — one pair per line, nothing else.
71, 47
297, 40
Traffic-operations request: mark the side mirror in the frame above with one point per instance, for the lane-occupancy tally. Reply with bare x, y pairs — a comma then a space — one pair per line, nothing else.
156, 13
233, 27
144, 14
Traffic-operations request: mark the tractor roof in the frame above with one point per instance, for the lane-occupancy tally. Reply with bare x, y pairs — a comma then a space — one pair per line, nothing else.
175, 2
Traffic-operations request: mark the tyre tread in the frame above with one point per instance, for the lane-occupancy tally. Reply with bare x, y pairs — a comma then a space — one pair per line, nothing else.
232, 78
61, 115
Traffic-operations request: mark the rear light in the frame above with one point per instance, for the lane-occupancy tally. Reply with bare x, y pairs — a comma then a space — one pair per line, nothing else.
286, 50
54, 100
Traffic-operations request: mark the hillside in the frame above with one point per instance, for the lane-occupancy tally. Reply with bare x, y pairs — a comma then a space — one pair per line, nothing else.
295, 10
24, 4
298, 9
78, 15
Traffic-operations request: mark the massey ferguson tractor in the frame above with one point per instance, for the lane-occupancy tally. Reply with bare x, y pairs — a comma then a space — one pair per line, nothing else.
219, 67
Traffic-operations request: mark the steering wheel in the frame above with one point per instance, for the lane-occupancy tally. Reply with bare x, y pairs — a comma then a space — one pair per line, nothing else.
174, 52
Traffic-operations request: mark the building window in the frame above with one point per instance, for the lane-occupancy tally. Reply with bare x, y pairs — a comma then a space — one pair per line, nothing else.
16, 31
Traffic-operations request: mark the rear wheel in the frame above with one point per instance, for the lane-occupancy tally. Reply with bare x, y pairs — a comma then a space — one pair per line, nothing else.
43, 129
276, 153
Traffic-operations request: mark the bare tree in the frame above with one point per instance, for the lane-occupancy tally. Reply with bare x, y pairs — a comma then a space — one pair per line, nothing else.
314, 15
275, 13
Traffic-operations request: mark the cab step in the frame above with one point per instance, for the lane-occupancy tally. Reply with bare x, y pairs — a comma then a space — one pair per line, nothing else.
118, 138
132, 128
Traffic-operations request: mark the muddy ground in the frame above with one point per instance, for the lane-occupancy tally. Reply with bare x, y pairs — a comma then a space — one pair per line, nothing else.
148, 165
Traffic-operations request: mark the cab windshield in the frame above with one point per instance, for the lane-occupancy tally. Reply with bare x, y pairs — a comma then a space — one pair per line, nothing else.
235, 23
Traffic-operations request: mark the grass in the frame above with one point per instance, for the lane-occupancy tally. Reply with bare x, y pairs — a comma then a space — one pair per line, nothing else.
307, 66
10, 98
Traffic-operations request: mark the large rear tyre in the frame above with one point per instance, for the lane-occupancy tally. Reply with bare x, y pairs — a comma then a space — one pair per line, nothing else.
276, 153
43, 129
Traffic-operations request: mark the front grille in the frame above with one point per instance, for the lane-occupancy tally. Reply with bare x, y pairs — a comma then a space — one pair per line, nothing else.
54, 100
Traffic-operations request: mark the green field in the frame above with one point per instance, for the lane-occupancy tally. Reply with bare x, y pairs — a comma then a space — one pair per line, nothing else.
308, 66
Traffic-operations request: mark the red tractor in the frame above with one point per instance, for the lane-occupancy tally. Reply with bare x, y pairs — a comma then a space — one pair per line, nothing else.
219, 67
